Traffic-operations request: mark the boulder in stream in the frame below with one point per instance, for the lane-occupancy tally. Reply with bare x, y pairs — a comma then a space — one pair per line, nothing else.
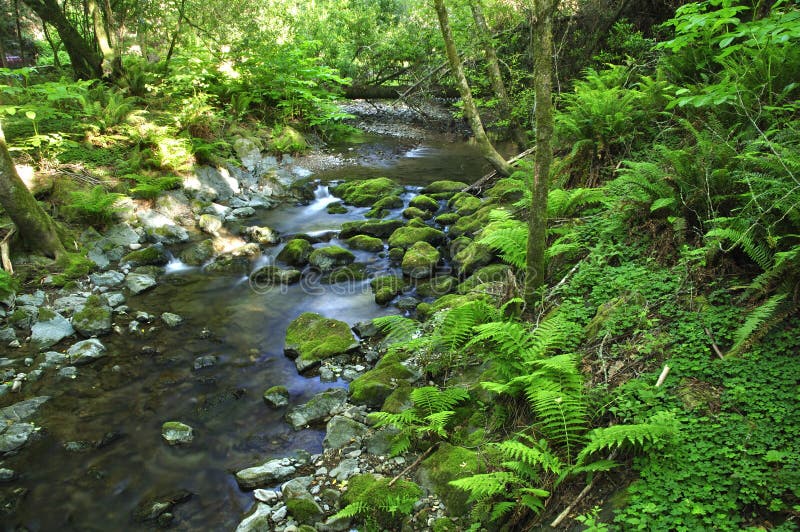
51, 328
331, 257
176, 433
317, 409
269, 473
312, 338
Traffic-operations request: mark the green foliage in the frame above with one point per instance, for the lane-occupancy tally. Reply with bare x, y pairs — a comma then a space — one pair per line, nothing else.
147, 187
429, 417
8, 284
72, 266
378, 503
94, 206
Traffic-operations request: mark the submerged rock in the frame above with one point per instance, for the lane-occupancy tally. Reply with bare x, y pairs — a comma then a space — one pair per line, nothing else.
331, 257
176, 433
171, 320
139, 282
14, 431
277, 396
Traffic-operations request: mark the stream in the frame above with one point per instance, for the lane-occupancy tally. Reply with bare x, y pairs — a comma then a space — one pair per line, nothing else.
150, 378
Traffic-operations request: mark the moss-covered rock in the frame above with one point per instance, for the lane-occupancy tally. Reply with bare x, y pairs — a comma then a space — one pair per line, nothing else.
424, 203
493, 273
287, 140
398, 400
94, 319
336, 207
329, 258
386, 288
373, 387
365, 243
465, 204
199, 253
444, 189
364, 193
311, 338
472, 224
447, 218
472, 257
237, 261
373, 491
149, 256
304, 509
396, 254
424, 311
276, 397
420, 260
405, 237
438, 286
376, 228
415, 213
505, 192
382, 207
456, 300
446, 464
296, 252
268, 276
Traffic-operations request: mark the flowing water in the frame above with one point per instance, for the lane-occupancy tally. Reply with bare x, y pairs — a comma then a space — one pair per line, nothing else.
148, 378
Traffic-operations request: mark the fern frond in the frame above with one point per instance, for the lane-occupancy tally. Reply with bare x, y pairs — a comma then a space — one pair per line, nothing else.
758, 323
485, 485
458, 323
508, 237
757, 251
397, 328
437, 423
430, 399
560, 417
657, 429
353, 509
500, 509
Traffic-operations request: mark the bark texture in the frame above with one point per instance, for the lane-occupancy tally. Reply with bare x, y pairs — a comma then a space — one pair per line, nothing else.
37, 231
86, 63
470, 110
542, 48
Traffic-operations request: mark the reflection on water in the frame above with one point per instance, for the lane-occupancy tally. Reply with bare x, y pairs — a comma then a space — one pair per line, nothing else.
150, 378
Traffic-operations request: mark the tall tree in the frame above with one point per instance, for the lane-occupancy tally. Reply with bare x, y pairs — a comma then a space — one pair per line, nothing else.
541, 15
470, 109
495, 75
86, 62
36, 229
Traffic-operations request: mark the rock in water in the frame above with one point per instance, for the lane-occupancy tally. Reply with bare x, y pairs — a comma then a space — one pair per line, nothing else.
51, 328
177, 433
311, 338
271, 472
86, 351
317, 409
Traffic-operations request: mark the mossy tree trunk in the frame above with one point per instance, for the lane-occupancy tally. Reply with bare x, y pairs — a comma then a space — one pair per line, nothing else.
495, 75
86, 63
542, 48
103, 24
36, 229
470, 110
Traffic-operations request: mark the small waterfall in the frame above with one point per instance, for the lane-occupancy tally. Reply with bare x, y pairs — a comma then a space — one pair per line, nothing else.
176, 265
322, 198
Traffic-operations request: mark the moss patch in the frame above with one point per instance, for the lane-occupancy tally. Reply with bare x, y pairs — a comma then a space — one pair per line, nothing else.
150, 256
377, 495
296, 252
365, 243
472, 257
364, 193
447, 218
313, 337
373, 387
304, 509
386, 288
376, 228
444, 189
420, 260
405, 237
438, 286
328, 258
446, 464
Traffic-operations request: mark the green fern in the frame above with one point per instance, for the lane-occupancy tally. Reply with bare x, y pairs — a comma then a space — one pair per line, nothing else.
95, 206
759, 322
661, 427
507, 236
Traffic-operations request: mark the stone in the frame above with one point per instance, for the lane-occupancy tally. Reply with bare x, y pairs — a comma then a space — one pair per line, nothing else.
158, 507
7, 335
269, 473
364, 193
407, 303
438, 286
262, 235
329, 258
162, 229
122, 235
464, 204
276, 397
380, 442
139, 282
205, 361
449, 463
14, 432
86, 352
70, 304
304, 509
296, 487
266, 496
420, 260
471, 258
177, 433
35, 299
296, 252
342, 430
311, 338
365, 329
424, 203
171, 320
114, 299
51, 328
199, 253
386, 288
67, 373
373, 387
415, 213
94, 319
210, 224
337, 207
209, 183
447, 218
346, 469
317, 408
268, 277
242, 212
376, 228
365, 243
7, 475
405, 237
154, 255
444, 189
258, 521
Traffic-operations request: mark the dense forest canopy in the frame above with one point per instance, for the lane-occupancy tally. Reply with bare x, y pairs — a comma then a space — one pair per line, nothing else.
650, 226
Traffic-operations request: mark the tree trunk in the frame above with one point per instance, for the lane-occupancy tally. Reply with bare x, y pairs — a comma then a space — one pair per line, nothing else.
175, 35
542, 48
495, 76
2, 50
19, 33
85, 62
53, 46
36, 229
470, 110
102, 21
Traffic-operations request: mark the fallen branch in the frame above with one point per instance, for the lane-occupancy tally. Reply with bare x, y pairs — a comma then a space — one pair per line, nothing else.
714, 343
478, 185
588, 488
415, 464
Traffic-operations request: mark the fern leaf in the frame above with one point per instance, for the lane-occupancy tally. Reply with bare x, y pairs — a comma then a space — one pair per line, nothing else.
657, 429
485, 485
757, 324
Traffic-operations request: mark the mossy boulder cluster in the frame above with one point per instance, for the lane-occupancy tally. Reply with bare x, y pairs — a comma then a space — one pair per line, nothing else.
312, 338
367, 192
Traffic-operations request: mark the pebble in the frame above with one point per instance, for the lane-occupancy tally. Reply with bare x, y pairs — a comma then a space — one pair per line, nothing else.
68, 372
